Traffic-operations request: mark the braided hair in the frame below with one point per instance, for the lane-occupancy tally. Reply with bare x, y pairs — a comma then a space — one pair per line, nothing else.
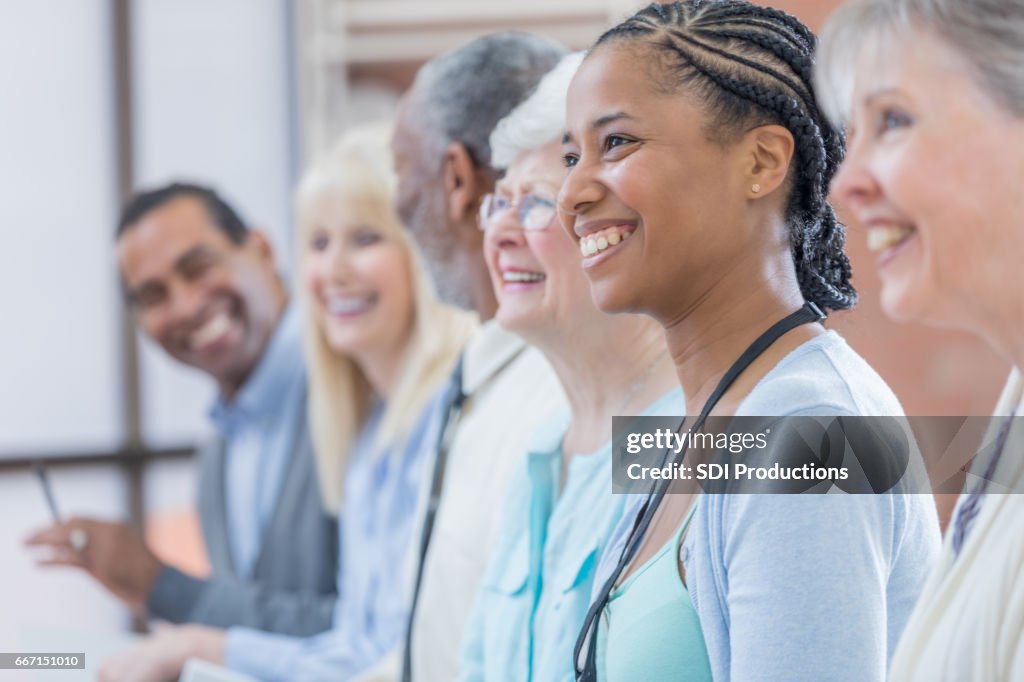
750, 66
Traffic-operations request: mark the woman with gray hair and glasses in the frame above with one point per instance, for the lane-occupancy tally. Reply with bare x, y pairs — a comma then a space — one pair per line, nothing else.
560, 510
933, 94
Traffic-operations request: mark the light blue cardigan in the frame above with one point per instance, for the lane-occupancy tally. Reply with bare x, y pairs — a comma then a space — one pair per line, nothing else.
536, 590
805, 587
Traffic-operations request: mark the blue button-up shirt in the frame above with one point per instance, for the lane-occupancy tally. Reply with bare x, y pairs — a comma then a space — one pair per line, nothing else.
536, 591
260, 427
381, 490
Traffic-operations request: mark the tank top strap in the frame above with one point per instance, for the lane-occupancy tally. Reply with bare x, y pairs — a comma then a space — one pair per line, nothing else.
685, 524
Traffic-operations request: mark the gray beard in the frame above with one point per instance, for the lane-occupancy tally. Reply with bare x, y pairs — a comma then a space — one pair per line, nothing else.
450, 280
447, 270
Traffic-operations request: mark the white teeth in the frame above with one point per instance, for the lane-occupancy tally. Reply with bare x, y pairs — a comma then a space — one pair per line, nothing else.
591, 245
213, 328
882, 238
338, 305
515, 276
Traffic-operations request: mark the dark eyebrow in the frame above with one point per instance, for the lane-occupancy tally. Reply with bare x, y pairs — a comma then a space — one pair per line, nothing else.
198, 252
195, 253
609, 118
600, 122
132, 293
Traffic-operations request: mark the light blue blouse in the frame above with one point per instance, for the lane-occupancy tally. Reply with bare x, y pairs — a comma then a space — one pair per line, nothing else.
536, 589
805, 587
381, 490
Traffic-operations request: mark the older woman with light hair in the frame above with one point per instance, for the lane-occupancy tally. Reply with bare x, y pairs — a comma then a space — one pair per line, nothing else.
560, 509
933, 92
379, 347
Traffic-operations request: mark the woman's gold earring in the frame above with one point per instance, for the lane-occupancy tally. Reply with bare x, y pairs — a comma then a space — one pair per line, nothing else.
755, 188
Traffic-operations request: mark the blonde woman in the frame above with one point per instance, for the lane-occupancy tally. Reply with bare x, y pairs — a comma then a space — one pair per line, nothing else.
379, 347
933, 91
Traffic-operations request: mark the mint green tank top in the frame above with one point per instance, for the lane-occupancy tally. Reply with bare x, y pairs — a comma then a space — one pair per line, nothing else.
650, 631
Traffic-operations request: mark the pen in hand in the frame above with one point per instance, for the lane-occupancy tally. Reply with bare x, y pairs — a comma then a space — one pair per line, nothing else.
44, 480
77, 537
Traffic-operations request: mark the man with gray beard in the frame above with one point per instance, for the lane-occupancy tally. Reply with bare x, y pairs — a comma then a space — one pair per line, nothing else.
502, 391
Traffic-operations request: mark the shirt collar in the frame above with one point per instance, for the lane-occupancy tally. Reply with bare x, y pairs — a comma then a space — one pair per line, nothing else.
262, 392
546, 442
490, 349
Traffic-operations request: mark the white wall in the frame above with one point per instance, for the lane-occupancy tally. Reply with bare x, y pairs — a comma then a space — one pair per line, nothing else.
212, 103
59, 343
59, 372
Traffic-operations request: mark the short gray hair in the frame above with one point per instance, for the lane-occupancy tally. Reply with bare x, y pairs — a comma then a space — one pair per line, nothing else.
537, 120
988, 35
462, 94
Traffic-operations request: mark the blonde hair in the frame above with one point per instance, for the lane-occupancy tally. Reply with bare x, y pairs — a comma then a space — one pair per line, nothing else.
988, 35
358, 169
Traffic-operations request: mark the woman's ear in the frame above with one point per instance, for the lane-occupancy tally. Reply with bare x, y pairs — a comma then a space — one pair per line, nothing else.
459, 173
771, 151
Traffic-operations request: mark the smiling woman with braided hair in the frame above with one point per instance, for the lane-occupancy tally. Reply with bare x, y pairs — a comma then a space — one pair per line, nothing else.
698, 165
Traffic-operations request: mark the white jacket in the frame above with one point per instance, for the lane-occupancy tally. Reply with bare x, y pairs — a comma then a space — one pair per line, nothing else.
969, 622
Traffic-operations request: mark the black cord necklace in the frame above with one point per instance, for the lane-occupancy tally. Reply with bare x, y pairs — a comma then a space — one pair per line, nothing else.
585, 653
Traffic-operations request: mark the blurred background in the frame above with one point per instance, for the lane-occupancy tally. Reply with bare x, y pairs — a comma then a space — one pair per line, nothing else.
102, 96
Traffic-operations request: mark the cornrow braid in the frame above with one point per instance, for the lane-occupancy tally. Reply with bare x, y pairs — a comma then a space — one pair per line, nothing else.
753, 66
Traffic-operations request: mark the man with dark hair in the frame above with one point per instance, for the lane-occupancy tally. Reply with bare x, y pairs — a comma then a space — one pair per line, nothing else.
221, 213
505, 390
205, 287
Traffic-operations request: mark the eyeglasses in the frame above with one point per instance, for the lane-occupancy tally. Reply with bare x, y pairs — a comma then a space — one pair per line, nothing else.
535, 212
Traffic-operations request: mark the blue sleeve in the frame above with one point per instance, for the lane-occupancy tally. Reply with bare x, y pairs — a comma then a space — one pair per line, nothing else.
471, 666
224, 600
475, 657
174, 595
327, 657
805, 579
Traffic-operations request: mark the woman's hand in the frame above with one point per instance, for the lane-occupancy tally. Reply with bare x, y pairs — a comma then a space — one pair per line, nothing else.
161, 657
